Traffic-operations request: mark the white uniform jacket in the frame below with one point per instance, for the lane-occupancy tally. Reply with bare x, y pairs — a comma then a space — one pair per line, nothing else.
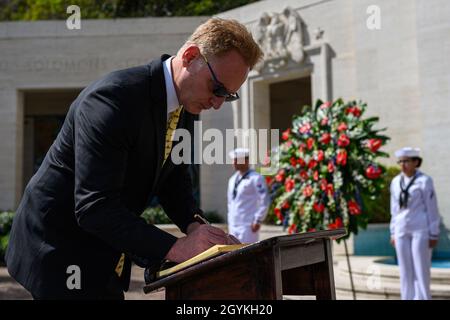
421, 213
250, 203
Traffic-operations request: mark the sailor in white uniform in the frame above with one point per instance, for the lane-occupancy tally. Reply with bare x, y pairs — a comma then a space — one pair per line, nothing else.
248, 199
414, 224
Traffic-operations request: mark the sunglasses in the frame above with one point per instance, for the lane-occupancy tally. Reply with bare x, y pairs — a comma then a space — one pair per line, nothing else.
404, 161
219, 89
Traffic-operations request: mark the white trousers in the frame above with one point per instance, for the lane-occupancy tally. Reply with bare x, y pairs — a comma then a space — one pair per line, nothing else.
244, 233
414, 261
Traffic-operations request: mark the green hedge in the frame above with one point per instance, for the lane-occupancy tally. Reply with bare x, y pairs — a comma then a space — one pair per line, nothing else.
156, 215
6, 219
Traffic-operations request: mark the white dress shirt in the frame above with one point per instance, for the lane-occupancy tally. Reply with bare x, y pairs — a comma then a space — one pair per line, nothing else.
171, 94
421, 213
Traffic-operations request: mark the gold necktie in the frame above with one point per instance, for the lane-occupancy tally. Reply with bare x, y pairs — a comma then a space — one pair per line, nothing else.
174, 116
119, 267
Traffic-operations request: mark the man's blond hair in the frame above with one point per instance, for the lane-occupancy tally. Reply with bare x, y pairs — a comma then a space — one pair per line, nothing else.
218, 36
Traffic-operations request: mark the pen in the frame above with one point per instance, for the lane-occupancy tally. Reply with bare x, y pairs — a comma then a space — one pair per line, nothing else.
200, 219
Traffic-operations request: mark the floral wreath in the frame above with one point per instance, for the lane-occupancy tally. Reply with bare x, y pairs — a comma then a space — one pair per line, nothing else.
327, 162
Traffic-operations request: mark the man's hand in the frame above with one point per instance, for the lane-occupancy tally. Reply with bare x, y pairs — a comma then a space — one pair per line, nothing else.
191, 227
199, 238
393, 242
256, 226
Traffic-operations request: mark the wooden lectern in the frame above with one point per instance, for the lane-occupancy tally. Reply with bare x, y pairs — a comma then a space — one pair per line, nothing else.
298, 264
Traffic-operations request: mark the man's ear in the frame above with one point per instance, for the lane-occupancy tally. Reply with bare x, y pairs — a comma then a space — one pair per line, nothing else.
190, 54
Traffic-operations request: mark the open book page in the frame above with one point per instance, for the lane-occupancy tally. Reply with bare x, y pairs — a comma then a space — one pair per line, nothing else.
211, 252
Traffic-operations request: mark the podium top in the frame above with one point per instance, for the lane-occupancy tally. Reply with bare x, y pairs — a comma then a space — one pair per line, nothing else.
292, 240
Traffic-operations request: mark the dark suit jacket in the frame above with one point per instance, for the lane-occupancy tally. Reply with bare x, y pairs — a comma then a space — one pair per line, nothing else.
82, 206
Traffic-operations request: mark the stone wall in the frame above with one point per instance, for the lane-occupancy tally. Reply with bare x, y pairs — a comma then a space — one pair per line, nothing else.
45, 55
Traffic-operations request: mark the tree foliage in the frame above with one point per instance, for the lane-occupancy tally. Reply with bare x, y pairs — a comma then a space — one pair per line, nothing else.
110, 9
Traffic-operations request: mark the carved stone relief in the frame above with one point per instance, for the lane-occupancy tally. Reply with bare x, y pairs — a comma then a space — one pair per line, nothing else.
280, 36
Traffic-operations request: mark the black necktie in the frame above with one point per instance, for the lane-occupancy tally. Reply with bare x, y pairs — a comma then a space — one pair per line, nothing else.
403, 201
237, 181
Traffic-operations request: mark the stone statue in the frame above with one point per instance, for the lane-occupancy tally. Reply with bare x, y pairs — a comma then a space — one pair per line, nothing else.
260, 31
280, 36
294, 36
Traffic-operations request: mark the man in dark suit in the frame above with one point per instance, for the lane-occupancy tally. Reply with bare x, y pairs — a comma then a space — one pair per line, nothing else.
80, 211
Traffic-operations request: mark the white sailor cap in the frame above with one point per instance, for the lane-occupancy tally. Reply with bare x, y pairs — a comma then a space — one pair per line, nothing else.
408, 152
239, 153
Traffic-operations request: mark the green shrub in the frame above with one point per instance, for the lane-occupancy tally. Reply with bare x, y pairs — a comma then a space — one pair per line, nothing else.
6, 219
155, 215
214, 217
3, 244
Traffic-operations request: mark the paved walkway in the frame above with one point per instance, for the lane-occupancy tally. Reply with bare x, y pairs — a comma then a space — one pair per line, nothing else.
11, 290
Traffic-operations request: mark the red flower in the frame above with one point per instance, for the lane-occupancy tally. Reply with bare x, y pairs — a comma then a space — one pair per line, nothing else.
312, 164
280, 176
301, 162
323, 184
374, 144
292, 229
342, 126
336, 224
302, 147
353, 110
289, 184
310, 143
285, 205
341, 158
303, 175
305, 128
326, 138
277, 212
330, 189
308, 191
311, 229
318, 207
269, 180
373, 172
343, 141
324, 121
285, 135
316, 175
293, 161
325, 105
353, 208
330, 167
320, 156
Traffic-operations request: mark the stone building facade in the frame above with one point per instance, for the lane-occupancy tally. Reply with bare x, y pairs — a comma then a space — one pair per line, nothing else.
314, 49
